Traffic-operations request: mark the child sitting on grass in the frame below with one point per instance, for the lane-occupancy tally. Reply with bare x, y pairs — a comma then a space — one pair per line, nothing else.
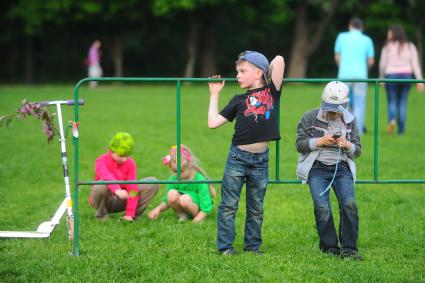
193, 200
117, 165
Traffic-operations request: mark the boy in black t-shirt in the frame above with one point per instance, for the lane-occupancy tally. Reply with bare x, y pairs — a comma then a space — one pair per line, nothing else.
256, 125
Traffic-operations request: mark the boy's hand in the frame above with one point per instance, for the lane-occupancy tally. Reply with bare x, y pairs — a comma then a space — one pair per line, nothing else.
420, 87
122, 194
343, 143
215, 120
326, 140
216, 87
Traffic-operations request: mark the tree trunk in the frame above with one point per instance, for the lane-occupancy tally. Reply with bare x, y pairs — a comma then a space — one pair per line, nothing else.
209, 53
299, 51
29, 60
192, 48
117, 56
306, 41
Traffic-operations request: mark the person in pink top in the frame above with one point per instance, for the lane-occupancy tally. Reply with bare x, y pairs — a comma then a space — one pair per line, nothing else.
399, 60
117, 165
93, 59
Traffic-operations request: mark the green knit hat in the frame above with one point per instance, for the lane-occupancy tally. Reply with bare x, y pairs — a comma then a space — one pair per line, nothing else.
122, 144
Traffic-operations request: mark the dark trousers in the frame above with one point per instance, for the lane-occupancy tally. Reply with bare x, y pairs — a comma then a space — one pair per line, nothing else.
319, 178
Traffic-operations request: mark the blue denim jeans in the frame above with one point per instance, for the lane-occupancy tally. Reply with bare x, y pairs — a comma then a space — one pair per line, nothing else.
253, 168
319, 178
397, 94
358, 92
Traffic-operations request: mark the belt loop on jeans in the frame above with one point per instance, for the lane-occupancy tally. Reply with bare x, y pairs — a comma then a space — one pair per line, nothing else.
317, 163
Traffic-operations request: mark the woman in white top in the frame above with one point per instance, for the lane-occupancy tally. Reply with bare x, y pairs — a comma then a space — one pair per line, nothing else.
399, 60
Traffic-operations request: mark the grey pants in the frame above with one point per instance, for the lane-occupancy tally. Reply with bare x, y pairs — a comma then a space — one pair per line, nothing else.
105, 202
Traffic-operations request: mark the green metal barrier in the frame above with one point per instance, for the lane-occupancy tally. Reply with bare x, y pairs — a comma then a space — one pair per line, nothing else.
178, 82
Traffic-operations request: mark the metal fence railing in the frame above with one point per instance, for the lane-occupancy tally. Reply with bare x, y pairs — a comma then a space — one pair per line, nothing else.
277, 180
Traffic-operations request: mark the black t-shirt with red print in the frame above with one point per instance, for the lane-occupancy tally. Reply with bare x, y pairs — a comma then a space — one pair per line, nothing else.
256, 115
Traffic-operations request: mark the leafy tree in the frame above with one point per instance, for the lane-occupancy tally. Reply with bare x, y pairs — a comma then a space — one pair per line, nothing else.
201, 35
196, 13
115, 20
408, 13
312, 18
32, 15
221, 22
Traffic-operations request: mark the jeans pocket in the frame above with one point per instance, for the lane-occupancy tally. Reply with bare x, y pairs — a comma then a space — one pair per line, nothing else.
234, 156
234, 166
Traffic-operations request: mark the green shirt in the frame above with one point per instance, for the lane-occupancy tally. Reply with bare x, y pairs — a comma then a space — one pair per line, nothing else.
199, 192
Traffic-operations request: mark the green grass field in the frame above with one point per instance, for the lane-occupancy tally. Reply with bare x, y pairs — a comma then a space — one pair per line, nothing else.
392, 216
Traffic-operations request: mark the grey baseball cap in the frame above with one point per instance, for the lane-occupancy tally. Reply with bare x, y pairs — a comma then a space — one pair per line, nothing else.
258, 60
335, 97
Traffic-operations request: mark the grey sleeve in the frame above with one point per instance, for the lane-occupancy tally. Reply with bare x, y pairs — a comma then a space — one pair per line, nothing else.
351, 149
355, 140
304, 143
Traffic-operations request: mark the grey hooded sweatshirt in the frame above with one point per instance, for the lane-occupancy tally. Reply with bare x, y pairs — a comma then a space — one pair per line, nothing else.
314, 125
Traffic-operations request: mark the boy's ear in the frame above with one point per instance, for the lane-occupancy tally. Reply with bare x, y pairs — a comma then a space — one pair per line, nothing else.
259, 74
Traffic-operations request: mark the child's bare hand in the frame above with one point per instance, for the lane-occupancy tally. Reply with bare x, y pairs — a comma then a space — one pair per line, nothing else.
326, 140
216, 87
199, 217
343, 143
122, 194
153, 215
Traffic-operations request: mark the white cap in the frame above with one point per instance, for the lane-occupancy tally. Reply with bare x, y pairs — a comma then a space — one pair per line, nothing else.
335, 97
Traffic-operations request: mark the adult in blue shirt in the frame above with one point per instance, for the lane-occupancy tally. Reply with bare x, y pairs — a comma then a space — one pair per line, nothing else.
354, 55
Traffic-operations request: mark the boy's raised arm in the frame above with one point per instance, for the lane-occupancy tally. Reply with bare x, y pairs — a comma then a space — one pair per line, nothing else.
215, 120
277, 69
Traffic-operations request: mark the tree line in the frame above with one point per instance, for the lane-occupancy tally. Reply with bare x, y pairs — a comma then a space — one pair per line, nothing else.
47, 41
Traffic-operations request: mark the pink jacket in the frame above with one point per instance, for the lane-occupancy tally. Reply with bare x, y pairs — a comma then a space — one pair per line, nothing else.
107, 170
93, 56
395, 60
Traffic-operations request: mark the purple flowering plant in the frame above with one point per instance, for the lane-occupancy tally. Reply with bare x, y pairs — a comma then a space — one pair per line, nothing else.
36, 110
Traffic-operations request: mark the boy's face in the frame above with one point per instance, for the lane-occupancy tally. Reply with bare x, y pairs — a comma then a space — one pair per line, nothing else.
333, 115
248, 75
118, 158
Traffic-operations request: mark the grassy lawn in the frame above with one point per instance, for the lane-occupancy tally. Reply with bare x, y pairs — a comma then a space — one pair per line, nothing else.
392, 216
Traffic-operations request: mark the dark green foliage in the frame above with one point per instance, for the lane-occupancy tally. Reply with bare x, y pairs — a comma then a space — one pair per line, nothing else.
153, 35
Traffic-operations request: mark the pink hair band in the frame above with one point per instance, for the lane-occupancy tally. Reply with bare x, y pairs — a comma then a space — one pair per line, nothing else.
166, 159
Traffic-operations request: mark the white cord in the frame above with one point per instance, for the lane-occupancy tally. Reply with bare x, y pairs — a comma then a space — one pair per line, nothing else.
336, 169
